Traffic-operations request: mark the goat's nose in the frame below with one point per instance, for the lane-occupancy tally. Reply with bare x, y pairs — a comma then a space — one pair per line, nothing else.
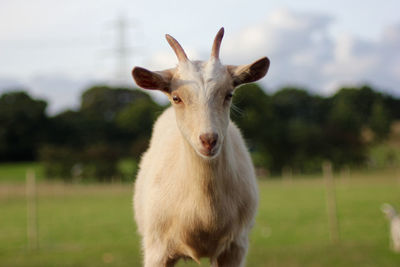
209, 140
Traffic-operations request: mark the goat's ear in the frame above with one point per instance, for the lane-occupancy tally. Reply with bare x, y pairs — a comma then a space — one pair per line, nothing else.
153, 80
249, 73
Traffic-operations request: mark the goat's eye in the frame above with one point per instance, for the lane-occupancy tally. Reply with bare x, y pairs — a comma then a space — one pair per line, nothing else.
228, 96
176, 99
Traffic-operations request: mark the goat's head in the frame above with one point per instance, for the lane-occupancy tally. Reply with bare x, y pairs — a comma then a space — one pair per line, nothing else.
389, 211
201, 92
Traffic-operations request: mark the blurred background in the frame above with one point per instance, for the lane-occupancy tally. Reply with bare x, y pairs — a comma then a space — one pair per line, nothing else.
323, 127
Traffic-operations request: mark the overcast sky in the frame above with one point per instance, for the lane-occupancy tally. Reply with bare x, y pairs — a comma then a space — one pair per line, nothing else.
55, 49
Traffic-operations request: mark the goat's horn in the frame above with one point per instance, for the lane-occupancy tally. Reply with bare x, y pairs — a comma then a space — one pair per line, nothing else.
180, 53
217, 44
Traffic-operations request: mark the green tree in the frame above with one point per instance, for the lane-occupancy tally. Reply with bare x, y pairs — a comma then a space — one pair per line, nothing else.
103, 102
298, 142
23, 126
252, 112
111, 123
136, 121
380, 120
343, 130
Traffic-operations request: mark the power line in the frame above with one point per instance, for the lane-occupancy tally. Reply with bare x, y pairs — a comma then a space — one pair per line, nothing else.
122, 50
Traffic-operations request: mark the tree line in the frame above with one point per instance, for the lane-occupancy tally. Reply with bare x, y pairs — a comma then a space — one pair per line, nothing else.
289, 128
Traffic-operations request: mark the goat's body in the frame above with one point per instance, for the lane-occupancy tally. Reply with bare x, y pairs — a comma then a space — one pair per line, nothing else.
395, 233
188, 206
196, 194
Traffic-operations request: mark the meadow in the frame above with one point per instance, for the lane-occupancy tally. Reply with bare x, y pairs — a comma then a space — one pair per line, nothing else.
92, 224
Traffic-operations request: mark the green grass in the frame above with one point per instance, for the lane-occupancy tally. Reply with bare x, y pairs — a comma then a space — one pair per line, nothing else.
384, 155
92, 225
16, 172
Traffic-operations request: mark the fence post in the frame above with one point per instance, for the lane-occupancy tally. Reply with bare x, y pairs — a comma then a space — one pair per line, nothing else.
31, 208
331, 202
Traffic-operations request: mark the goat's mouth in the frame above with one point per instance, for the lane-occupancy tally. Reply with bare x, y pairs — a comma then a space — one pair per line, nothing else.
209, 154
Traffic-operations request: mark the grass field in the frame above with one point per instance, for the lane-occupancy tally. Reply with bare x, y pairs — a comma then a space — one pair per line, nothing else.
92, 225
16, 172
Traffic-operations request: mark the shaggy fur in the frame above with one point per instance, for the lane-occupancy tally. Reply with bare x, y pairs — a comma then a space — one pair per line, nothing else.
193, 200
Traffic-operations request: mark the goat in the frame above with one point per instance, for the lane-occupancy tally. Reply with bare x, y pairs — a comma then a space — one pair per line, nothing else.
394, 220
196, 193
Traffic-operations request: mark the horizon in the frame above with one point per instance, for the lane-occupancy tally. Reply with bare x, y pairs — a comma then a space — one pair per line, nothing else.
160, 99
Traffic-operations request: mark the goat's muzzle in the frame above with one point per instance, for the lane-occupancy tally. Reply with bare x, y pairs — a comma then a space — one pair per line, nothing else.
209, 142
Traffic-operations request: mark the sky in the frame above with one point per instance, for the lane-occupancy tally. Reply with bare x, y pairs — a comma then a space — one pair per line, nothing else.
57, 49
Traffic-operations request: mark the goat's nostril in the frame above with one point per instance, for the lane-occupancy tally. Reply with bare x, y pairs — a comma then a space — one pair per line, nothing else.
209, 140
213, 143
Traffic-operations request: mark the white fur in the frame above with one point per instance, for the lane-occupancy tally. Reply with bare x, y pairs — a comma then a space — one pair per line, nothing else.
170, 194
394, 220
190, 200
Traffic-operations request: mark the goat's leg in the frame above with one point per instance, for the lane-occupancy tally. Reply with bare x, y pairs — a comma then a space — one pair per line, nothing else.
396, 242
234, 255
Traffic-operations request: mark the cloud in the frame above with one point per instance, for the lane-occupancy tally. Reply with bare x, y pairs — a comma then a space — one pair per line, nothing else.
303, 52
296, 43
375, 62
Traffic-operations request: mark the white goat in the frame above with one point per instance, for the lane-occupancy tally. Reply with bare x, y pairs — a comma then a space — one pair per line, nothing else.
394, 220
196, 193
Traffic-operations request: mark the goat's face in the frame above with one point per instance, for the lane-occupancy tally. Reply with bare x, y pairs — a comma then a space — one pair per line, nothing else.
201, 92
201, 95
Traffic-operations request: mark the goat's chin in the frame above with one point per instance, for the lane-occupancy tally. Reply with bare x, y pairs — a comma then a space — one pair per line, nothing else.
207, 154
